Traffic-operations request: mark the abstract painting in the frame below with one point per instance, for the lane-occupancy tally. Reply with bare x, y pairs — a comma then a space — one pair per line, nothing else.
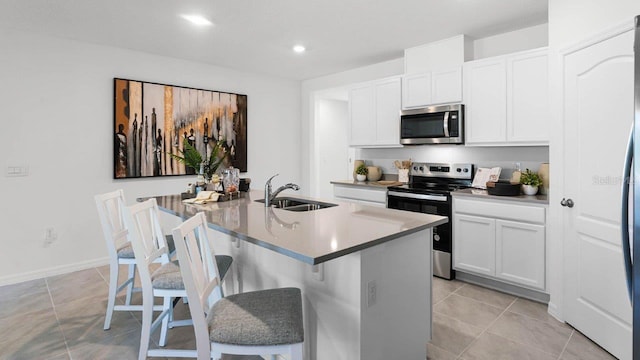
153, 121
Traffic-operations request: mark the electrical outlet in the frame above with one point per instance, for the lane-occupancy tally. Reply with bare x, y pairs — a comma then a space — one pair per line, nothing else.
371, 293
50, 236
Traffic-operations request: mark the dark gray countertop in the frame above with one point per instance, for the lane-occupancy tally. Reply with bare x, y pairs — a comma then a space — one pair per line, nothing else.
312, 237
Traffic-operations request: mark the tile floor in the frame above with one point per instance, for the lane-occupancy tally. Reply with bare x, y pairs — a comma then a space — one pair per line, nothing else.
61, 317
475, 323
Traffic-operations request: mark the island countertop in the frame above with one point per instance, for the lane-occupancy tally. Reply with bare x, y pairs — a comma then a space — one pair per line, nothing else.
312, 237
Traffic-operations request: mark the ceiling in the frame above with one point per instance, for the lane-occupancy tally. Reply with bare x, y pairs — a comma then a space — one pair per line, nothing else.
258, 36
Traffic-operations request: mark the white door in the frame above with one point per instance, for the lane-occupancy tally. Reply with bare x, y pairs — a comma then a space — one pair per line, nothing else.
474, 244
362, 114
416, 90
598, 111
446, 86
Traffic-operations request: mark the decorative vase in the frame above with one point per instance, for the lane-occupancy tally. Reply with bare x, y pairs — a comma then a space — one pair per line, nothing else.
544, 175
356, 163
403, 175
529, 190
374, 173
360, 177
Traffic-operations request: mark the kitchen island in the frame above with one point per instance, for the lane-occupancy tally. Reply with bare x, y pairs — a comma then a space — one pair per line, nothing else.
365, 272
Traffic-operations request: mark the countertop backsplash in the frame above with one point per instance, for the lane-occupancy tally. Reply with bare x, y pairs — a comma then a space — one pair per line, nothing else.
529, 157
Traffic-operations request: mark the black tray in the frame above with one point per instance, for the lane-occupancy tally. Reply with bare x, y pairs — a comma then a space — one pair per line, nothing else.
503, 188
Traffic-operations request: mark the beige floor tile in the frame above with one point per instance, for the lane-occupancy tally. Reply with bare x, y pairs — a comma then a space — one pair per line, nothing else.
82, 322
27, 287
121, 347
446, 285
535, 333
31, 336
436, 353
535, 310
487, 296
64, 356
493, 347
77, 285
28, 302
468, 310
452, 335
582, 348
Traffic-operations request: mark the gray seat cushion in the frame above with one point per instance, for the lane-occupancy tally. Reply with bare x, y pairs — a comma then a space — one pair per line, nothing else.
266, 317
126, 252
168, 276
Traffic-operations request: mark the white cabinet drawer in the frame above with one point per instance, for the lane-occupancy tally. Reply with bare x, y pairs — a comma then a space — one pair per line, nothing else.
510, 211
352, 192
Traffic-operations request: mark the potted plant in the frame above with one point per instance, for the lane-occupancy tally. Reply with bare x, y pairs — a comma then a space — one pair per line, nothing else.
361, 172
530, 182
205, 167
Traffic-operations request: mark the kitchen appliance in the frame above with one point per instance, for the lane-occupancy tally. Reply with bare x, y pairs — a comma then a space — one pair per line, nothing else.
632, 168
442, 124
429, 191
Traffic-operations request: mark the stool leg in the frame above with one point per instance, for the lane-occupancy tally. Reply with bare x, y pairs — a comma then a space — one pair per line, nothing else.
147, 318
167, 305
132, 276
113, 286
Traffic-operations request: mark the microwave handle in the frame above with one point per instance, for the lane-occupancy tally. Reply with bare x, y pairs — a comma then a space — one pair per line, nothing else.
446, 124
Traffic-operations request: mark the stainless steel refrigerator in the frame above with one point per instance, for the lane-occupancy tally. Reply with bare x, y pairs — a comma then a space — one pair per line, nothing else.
631, 234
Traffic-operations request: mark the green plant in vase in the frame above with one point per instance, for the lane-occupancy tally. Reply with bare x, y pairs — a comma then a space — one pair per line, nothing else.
530, 182
361, 172
206, 167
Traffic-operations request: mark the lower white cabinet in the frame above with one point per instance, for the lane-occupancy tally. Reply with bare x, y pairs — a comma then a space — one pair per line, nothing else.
503, 241
374, 196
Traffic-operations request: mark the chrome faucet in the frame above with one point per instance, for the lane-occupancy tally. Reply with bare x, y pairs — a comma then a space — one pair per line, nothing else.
269, 196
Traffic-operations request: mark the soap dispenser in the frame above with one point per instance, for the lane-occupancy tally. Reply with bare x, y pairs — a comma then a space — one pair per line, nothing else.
515, 177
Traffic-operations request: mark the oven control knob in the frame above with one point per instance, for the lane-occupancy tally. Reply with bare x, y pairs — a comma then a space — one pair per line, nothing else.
415, 168
436, 237
459, 170
466, 170
421, 168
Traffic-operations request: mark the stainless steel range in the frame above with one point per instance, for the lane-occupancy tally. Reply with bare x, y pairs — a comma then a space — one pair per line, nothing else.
429, 191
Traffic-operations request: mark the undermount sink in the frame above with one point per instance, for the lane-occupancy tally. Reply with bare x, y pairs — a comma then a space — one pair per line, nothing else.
294, 204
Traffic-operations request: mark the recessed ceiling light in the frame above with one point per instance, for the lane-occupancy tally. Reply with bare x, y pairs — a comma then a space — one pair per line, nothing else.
299, 49
197, 20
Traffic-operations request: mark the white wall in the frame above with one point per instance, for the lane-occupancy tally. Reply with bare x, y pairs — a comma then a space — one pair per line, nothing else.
312, 86
331, 128
513, 41
570, 21
57, 116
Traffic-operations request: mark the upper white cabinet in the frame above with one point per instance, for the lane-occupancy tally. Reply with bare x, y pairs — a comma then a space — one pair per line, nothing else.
433, 72
507, 99
374, 113
431, 88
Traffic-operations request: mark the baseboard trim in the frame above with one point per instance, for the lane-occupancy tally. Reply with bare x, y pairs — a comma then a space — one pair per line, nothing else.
52, 271
504, 287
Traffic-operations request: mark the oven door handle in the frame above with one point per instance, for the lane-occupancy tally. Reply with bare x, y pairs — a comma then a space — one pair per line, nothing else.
442, 198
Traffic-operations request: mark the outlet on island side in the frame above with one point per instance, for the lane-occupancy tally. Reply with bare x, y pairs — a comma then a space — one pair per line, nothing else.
371, 293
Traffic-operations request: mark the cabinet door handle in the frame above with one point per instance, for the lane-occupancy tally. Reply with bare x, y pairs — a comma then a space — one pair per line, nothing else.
567, 202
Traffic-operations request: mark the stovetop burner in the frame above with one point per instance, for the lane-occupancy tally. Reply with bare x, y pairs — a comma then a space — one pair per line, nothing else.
437, 178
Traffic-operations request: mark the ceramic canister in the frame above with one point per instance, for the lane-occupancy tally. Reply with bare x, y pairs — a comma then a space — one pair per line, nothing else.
374, 173
356, 163
543, 171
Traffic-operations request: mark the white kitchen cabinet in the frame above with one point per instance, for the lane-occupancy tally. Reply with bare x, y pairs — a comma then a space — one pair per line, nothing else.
520, 253
507, 100
373, 196
432, 88
374, 113
502, 241
475, 245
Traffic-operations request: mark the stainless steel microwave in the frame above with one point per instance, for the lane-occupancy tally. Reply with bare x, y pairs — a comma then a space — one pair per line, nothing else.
442, 124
